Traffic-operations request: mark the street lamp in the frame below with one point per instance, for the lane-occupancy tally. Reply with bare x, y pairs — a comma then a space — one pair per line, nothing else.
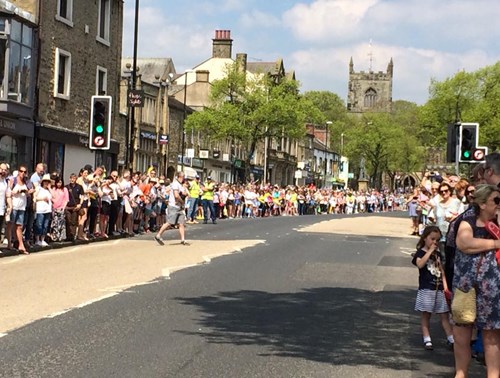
183, 143
130, 124
328, 123
162, 116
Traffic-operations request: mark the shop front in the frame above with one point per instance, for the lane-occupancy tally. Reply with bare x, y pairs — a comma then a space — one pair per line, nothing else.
67, 152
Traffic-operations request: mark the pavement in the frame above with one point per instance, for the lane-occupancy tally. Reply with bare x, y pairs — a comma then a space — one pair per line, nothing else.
78, 275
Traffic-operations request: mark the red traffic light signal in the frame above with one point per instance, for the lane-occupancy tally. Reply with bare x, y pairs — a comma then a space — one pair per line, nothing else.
100, 123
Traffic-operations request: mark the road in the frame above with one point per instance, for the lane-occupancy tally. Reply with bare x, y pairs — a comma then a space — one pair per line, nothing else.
325, 296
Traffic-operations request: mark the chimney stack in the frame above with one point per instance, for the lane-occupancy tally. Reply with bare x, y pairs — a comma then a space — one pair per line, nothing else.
241, 60
222, 44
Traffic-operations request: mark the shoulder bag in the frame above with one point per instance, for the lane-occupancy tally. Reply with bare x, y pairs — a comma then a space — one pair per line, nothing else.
463, 305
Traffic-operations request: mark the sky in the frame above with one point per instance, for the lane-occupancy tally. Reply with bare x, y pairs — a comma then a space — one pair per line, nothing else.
427, 39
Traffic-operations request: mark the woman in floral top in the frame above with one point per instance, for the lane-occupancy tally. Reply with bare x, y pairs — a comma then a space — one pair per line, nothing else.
476, 266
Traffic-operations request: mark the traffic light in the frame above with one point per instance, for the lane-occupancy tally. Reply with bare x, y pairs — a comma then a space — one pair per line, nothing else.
100, 123
451, 142
468, 141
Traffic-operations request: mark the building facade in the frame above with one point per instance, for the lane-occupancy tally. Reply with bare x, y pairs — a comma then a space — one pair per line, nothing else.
157, 132
80, 44
370, 91
18, 56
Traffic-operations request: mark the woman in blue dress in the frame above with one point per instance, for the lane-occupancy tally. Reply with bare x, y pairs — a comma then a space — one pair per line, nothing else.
476, 266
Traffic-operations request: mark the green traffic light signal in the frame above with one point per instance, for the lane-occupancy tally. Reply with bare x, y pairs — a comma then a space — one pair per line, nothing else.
467, 154
99, 129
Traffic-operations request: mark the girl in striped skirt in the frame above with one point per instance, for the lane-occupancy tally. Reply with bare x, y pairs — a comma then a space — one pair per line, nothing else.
431, 285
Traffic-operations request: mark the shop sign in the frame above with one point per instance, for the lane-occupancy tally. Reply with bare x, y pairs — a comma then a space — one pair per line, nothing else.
135, 98
148, 135
163, 139
7, 125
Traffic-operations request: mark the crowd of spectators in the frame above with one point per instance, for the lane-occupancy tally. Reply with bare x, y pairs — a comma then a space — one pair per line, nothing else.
460, 209
39, 208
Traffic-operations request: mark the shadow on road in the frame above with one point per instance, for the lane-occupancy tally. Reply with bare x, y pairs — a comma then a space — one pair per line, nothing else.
340, 326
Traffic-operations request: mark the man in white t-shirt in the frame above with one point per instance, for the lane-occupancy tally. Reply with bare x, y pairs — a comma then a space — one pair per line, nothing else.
175, 211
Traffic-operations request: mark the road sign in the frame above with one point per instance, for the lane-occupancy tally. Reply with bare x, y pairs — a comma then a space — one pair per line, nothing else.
479, 154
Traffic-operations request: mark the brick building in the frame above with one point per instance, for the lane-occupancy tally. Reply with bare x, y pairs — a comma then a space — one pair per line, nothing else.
80, 44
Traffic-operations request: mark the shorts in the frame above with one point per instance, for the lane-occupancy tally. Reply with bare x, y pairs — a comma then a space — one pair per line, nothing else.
175, 215
105, 208
17, 217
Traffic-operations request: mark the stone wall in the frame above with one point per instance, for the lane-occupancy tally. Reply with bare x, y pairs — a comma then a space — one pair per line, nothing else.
86, 54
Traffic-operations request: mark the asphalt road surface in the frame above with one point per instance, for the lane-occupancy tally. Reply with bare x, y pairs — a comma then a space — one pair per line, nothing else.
325, 296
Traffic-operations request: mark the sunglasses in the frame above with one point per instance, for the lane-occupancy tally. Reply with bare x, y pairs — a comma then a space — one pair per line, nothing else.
22, 171
444, 191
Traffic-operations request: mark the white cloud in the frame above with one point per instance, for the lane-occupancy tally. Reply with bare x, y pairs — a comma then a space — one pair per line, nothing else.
258, 19
324, 19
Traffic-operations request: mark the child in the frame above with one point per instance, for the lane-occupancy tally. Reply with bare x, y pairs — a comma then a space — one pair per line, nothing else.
431, 286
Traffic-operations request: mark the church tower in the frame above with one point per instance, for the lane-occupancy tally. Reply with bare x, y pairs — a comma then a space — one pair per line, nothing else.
370, 91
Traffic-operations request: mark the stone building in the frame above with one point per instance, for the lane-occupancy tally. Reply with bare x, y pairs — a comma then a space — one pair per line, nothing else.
370, 91
80, 54
158, 124
18, 57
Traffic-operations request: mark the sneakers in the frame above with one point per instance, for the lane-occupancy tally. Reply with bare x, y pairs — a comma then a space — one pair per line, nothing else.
44, 244
159, 240
428, 345
183, 242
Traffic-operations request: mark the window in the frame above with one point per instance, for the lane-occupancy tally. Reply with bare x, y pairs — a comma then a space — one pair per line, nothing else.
370, 98
103, 21
101, 81
19, 51
62, 72
65, 11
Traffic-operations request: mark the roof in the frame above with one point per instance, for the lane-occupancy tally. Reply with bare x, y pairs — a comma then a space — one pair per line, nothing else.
150, 68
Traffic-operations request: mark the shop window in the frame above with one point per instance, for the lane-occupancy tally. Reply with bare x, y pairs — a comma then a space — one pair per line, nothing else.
8, 150
104, 21
62, 72
65, 11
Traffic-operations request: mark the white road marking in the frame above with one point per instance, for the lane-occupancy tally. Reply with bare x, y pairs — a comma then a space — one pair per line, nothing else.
406, 250
2, 335
106, 296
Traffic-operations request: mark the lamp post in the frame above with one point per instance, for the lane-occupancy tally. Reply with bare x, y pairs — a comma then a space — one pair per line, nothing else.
183, 143
328, 123
130, 129
162, 116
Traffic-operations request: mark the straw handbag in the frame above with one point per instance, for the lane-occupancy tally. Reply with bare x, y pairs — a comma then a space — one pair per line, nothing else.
463, 305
